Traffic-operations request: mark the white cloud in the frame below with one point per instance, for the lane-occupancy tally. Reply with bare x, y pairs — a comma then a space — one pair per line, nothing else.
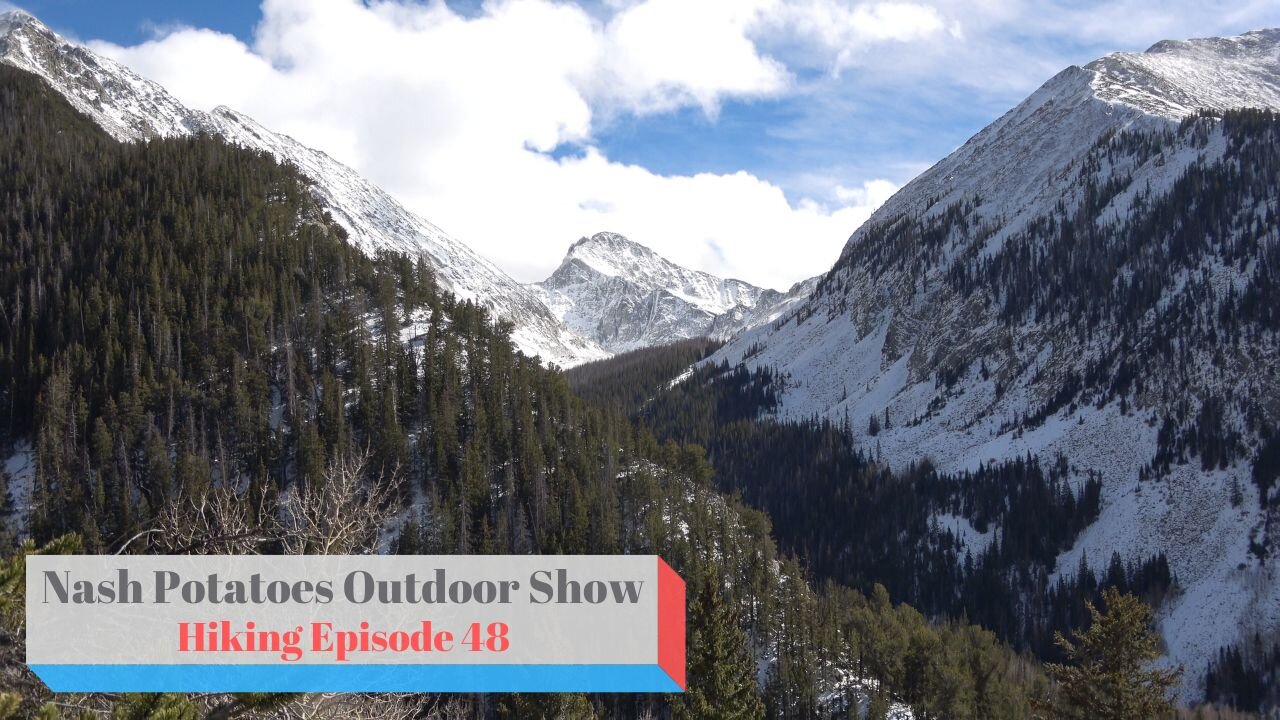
455, 114
736, 225
840, 30
663, 54
872, 192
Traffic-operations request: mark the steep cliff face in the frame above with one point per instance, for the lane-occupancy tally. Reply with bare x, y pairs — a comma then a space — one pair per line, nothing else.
1088, 276
132, 108
624, 296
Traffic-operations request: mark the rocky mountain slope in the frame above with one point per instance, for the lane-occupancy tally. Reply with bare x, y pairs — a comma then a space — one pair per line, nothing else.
132, 108
624, 296
1091, 276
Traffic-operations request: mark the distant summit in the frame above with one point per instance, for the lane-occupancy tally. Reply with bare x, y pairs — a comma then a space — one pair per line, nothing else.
624, 296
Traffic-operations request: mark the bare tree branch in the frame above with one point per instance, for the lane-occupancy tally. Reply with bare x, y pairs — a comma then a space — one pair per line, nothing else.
341, 513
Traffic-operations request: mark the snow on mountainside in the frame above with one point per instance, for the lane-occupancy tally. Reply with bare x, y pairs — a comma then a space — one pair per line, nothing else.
1174, 78
624, 296
1084, 277
132, 108
123, 103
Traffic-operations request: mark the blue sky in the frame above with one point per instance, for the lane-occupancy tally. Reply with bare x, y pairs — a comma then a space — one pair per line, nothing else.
711, 130
128, 22
756, 135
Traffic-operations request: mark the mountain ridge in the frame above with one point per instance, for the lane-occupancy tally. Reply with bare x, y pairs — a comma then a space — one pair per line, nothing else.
1194, 74
624, 296
662, 303
1055, 286
132, 108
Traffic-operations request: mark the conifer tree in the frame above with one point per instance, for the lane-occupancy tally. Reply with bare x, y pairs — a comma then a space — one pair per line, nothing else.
721, 671
1108, 676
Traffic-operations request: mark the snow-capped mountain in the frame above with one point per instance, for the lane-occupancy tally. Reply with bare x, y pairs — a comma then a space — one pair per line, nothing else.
624, 296
1086, 276
132, 108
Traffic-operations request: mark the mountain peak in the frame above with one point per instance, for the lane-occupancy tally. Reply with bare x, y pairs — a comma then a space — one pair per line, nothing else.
18, 28
623, 295
1175, 78
24, 38
1088, 183
603, 238
610, 253
13, 19
125, 104
1263, 40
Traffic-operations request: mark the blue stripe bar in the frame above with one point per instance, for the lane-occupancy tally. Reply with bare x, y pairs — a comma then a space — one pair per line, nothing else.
355, 678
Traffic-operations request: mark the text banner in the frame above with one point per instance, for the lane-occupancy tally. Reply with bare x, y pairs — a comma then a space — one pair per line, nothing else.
455, 623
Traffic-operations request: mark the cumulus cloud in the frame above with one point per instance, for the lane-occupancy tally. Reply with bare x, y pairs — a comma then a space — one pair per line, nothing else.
663, 54
458, 114
837, 31
467, 117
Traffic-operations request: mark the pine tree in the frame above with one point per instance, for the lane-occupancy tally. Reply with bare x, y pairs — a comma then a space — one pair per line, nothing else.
154, 706
159, 471
722, 676
562, 706
311, 454
1107, 678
